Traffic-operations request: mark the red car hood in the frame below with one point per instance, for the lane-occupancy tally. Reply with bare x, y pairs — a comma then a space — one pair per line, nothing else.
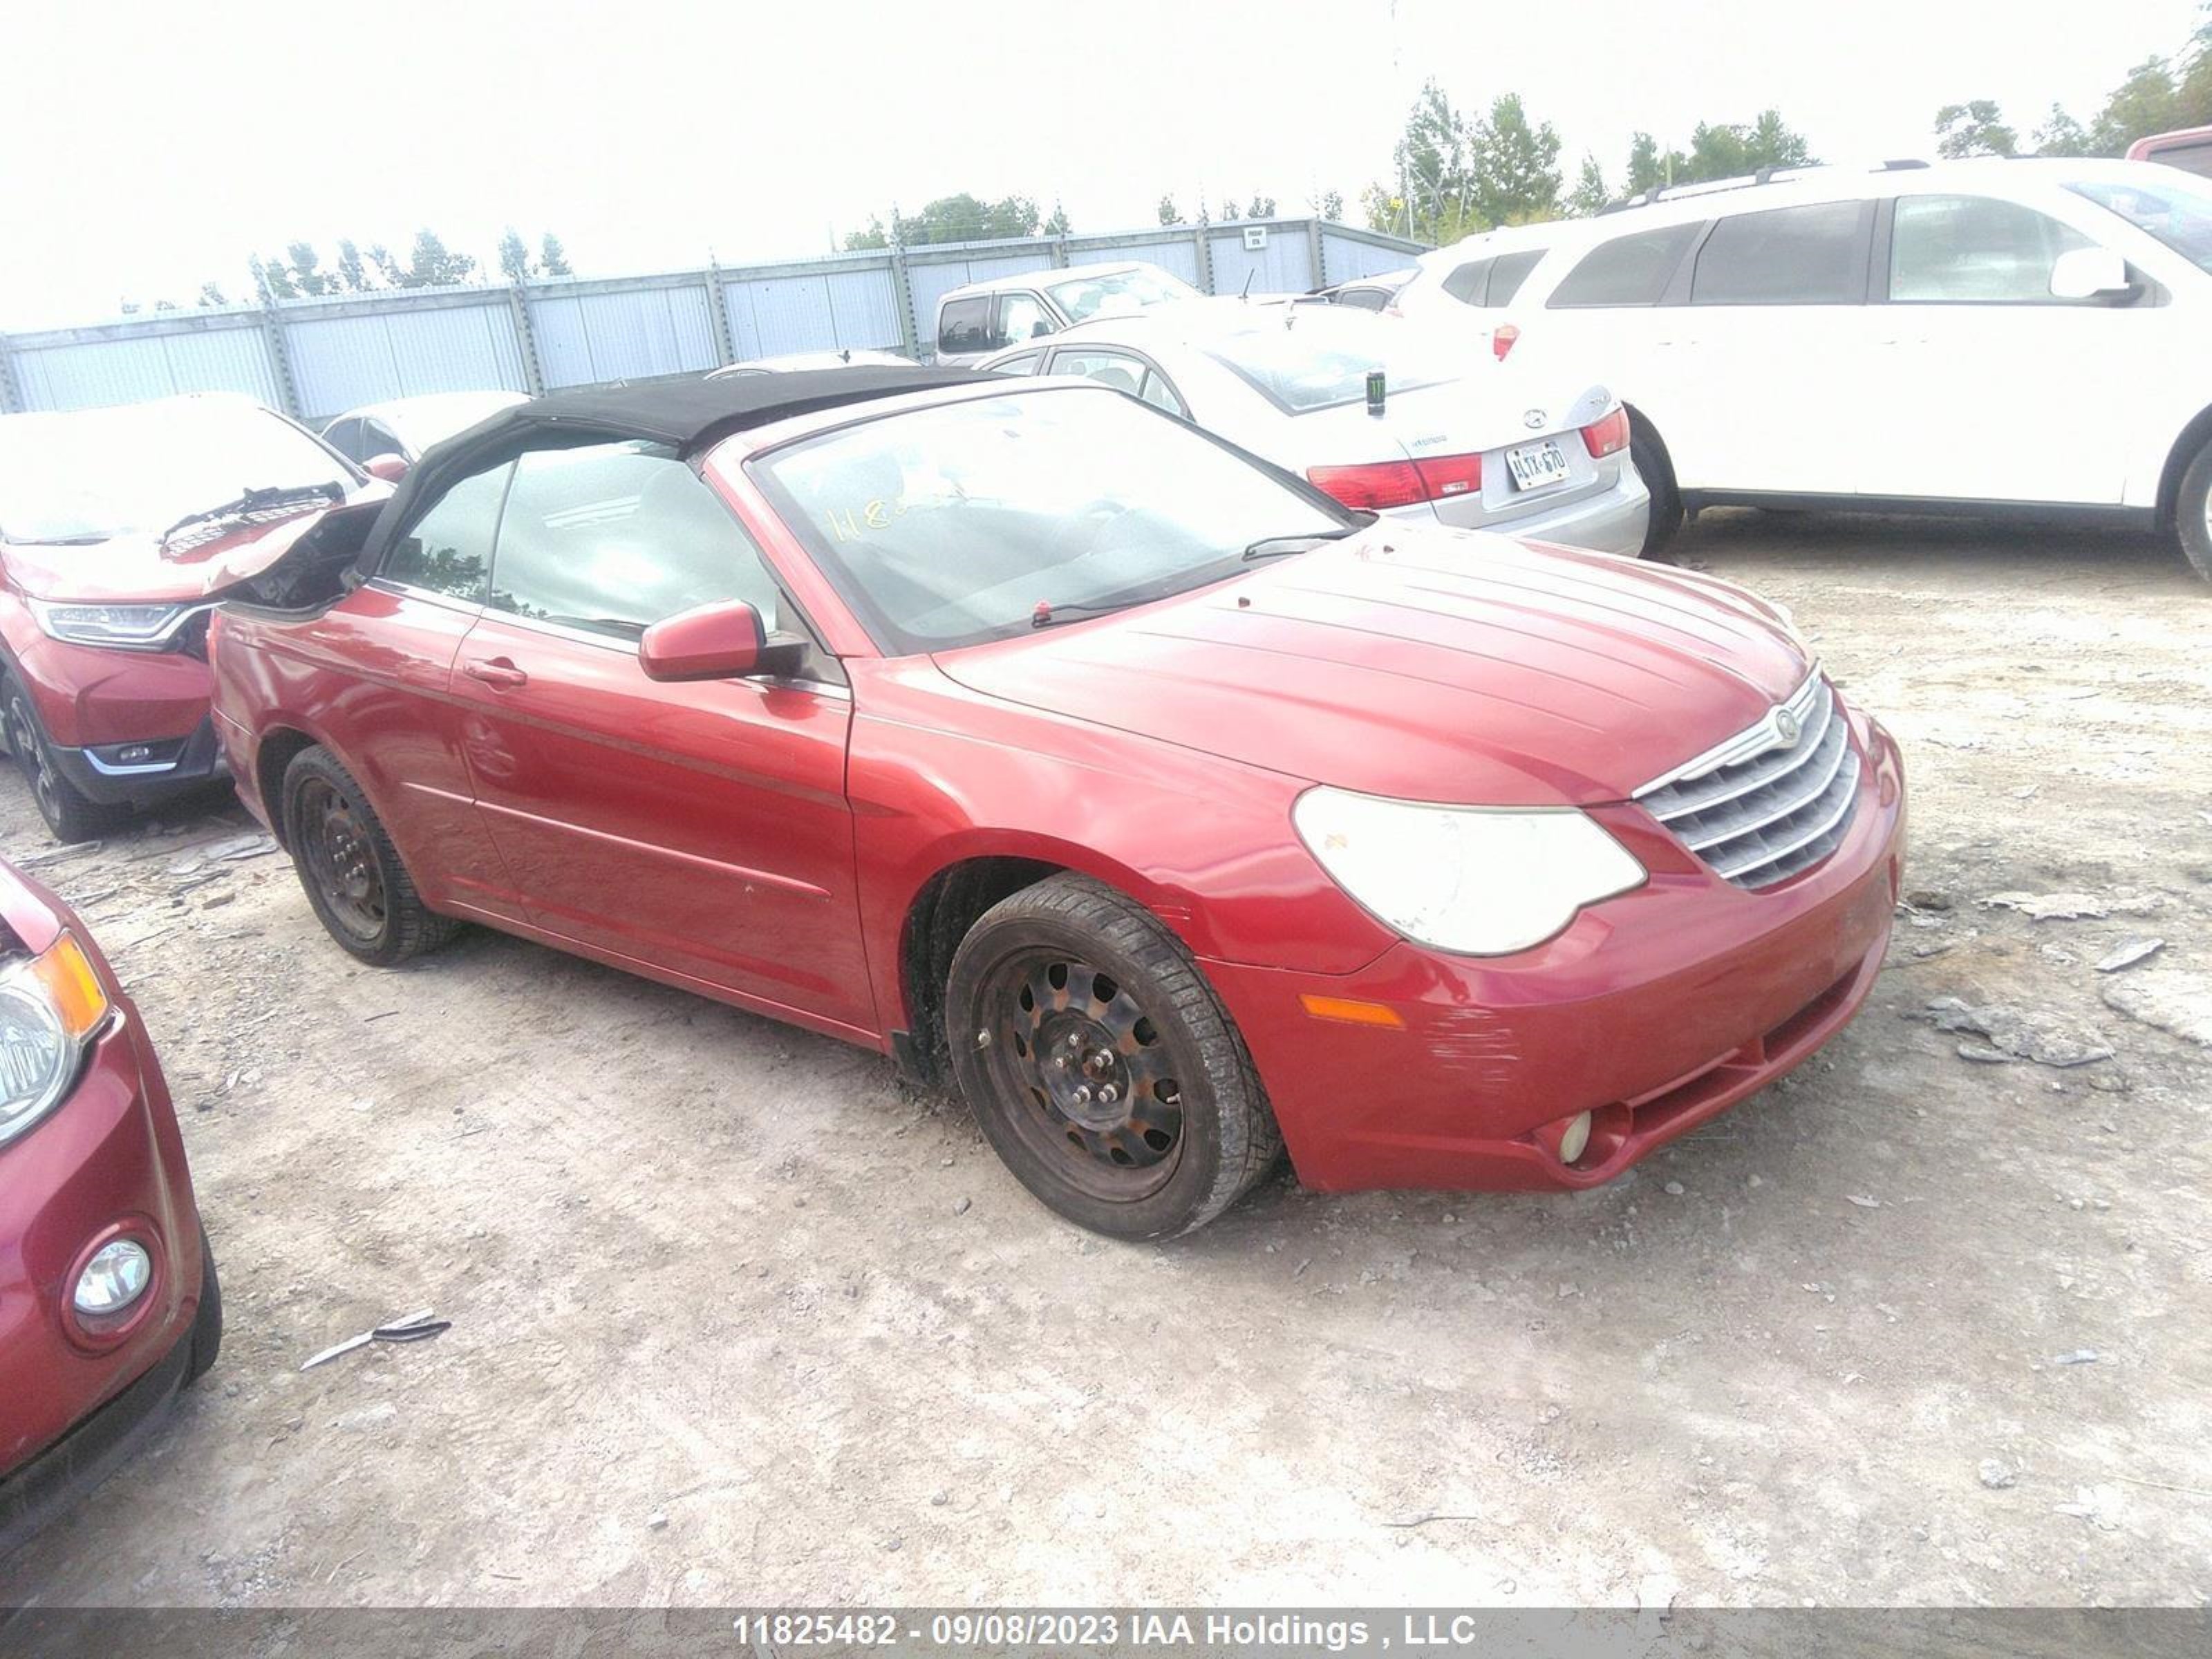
1427, 664
135, 567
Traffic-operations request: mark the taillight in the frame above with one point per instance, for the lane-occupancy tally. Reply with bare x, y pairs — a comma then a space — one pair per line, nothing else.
1610, 434
1375, 485
1379, 484
1501, 340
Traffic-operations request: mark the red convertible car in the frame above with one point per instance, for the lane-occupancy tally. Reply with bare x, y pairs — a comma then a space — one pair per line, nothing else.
1174, 810
108, 1301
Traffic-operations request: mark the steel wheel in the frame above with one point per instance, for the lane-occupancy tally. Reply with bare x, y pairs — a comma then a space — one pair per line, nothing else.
340, 861
1095, 1091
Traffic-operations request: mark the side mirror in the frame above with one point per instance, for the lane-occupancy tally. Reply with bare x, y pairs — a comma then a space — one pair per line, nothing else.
723, 641
390, 468
2089, 273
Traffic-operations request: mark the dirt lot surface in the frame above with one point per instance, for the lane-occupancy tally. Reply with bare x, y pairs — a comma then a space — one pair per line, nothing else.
735, 1321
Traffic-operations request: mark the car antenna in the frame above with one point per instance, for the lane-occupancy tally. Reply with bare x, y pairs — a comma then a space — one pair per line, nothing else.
1245, 292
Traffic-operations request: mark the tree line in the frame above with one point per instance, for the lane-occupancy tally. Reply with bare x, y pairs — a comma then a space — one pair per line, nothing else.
2162, 93
299, 273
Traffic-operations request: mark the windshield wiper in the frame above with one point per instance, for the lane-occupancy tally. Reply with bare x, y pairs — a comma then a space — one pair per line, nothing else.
1274, 547
254, 500
1047, 614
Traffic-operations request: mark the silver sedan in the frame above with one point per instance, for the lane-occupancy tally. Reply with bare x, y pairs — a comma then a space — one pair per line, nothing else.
1380, 412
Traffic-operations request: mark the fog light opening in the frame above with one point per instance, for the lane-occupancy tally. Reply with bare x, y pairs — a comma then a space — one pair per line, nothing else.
1576, 1139
116, 1277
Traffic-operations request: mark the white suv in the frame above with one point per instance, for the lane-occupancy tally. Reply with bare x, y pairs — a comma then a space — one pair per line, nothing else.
1972, 336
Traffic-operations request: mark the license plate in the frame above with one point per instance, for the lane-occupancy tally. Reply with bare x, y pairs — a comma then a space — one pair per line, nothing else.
1537, 466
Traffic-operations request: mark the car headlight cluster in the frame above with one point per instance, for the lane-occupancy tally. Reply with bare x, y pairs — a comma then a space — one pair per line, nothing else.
142, 626
49, 1005
1471, 880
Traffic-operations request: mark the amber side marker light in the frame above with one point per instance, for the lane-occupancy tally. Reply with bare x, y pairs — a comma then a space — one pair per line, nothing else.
1349, 1011
66, 974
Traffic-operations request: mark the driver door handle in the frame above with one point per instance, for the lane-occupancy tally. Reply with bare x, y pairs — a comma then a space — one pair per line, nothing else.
497, 672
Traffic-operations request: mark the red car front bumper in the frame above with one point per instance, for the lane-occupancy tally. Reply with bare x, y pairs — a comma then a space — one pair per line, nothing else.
108, 1163
1653, 1012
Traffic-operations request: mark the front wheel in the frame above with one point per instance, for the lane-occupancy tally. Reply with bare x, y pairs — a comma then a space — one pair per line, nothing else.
1101, 1066
2192, 513
68, 812
354, 878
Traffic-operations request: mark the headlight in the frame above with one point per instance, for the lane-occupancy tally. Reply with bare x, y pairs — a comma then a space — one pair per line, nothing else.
1476, 881
140, 625
48, 1006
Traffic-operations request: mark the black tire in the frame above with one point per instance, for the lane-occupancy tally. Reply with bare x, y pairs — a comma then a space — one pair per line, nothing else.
68, 812
352, 872
207, 1325
1649, 458
2192, 513
1194, 1131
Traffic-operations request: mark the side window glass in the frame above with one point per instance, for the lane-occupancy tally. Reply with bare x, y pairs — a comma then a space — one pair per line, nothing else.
1158, 392
964, 325
1107, 367
1509, 270
1628, 270
611, 537
1964, 249
448, 549
1021, 317
1363, 299
1806, 256
1468, 283
375, 441
1026, 364
344, 436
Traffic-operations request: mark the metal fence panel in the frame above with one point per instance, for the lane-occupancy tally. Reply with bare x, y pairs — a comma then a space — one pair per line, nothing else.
91, 373
1352, 256
343, 352
1283, 264
341, 362
1175, 251
588, 338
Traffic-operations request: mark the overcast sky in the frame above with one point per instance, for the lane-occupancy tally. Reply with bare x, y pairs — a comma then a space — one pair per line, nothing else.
147, 150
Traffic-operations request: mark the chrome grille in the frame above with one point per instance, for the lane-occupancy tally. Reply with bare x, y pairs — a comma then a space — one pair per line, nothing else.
1758, 810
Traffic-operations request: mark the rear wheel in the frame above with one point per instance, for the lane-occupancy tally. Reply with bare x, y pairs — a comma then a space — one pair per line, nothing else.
1101, 1066
350, 869
2192, 513
1652, 464
68, 812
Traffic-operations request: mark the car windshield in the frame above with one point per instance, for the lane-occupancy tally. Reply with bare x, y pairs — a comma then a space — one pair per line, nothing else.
952, 525
1108, 292
97, 474
2179, 215
1301, 359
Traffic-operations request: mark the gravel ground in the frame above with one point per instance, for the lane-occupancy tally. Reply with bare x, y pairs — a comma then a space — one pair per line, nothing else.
736, 1321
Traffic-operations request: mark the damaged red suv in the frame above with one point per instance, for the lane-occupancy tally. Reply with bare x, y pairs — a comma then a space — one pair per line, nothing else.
1175, 812
118, 530
108, 1302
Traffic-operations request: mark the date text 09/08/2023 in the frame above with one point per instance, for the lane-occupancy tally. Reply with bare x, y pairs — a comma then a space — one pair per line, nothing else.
1162, 1629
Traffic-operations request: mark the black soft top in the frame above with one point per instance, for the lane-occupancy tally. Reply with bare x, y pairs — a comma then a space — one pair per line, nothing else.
687, 414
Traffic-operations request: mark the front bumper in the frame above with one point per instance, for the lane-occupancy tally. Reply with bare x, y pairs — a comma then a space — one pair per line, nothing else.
108, 1162
116, 774
1654, 1011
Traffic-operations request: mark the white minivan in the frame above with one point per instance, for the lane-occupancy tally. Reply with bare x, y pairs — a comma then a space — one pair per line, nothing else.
1987, 336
